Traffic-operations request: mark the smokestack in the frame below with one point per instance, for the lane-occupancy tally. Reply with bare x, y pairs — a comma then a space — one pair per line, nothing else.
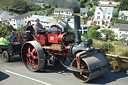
77, 24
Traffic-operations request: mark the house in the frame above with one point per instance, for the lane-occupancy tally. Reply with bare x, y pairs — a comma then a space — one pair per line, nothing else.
2, 15
103, 15
123, 15
63, 12
69, 12
108, 3
121, 30
84, 12
44, 20
21, 20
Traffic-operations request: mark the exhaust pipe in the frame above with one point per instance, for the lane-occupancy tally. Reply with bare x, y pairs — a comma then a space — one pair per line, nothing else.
77, 25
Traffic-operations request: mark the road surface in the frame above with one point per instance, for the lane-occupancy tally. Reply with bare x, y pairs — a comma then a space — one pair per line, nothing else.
15, 73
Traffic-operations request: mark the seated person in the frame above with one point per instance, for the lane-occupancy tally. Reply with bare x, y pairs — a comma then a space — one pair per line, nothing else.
54, 30
4, 41
12, 37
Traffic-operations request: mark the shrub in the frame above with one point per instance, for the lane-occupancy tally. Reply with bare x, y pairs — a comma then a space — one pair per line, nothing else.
107, 47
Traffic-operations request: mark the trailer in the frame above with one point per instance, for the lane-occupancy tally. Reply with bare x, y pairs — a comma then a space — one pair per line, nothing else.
8, 51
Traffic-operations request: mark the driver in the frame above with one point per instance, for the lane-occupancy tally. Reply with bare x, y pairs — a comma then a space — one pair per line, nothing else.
38, 27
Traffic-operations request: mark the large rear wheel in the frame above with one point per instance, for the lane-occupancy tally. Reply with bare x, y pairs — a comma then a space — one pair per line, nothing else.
33, 56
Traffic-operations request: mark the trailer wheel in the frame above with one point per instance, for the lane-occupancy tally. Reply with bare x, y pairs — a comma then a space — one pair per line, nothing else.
5, 56
33, 56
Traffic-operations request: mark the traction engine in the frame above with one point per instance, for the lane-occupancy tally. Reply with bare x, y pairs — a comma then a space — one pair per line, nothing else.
87, 62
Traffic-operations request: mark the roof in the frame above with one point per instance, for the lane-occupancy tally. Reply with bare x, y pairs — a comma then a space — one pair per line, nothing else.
63, 10
106, 9
22, 16
41, 18
3, 14
108, 2
121, 26
125, 12
84, 10
124, 35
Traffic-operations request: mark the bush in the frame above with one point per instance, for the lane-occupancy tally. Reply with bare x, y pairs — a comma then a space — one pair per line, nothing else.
119, 21
124, 52
94, 34
107, 47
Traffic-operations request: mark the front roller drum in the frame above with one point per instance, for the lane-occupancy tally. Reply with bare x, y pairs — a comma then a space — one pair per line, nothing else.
95, 63
33, 56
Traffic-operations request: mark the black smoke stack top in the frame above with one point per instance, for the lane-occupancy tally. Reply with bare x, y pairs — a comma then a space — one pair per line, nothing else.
77, 24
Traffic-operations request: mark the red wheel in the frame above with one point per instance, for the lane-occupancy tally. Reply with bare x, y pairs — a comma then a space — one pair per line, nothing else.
83, 77
33, 55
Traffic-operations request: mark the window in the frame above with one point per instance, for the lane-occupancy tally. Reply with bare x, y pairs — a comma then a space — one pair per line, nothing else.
108, 17
98, 17
120, 32
61, 12
14, 24
125, 17
98, 12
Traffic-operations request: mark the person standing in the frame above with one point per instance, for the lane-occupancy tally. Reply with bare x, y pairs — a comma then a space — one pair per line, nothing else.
12, 37
29, 31
38, 27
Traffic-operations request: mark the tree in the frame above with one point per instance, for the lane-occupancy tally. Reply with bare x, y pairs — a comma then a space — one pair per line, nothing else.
109, 34
91, 13
82, 2
94, 34
123, 5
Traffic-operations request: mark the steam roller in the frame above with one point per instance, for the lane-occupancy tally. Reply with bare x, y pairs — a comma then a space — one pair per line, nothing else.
87, 63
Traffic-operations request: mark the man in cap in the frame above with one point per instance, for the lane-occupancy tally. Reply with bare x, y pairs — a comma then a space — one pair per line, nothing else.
38, 27
12, 37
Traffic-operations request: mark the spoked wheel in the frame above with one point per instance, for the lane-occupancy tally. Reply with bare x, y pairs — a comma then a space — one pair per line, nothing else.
6, 56
81, 76
33, 55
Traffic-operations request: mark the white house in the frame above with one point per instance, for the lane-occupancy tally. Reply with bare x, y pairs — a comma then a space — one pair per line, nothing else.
69, 12
123, 15
103, 15
20, 21
63, 12
4, 16
108, 3
121, 31
44, 20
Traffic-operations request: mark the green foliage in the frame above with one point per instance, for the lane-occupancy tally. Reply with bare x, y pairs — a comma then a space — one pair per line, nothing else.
82, 2
18, 6
5, 29
107, 47
124, 5
124, 52
94, 34
73, 31
109, 34
91, 13
119, 21
94, 27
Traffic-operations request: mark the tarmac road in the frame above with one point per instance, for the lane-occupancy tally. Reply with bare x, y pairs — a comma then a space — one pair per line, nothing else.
15, 73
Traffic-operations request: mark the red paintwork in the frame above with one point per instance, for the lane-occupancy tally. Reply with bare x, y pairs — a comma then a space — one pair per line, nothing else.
32, 62
60, 37
41, 38
52, 38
